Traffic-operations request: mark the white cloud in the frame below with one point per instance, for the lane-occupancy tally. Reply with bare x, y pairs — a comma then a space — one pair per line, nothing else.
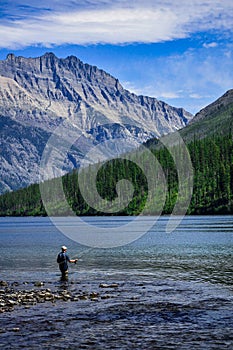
85, 27
116, 22
129, 85
169, 95
210, 45
195, 96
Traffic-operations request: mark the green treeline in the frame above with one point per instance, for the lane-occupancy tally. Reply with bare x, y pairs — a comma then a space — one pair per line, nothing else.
122, 187
212, 160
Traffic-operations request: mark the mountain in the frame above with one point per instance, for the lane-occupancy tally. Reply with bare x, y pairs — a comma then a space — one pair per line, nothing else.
216, 118
209, 143
39, 94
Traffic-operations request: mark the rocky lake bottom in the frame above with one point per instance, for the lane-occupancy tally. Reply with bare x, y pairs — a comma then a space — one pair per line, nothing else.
161, 292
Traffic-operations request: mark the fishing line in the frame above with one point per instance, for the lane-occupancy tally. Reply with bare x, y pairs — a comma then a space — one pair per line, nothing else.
83, 253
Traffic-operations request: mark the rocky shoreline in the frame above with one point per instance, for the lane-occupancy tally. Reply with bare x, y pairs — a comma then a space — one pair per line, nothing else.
11, 296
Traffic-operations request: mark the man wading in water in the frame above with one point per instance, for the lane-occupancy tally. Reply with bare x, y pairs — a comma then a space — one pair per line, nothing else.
62, 260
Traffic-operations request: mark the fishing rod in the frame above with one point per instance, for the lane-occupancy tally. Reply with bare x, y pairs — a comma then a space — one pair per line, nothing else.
79, 258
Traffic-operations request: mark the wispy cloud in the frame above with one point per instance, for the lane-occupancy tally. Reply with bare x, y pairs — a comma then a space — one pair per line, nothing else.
183, 75
115, 22
193, 78
169, 95
196, 96
210, 45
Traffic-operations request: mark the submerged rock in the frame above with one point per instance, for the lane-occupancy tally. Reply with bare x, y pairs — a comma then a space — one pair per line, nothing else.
15, 329
10, 298
39, 284
105, 285
3, 284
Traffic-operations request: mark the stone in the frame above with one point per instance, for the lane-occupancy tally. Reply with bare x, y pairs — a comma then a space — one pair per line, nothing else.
9, 298
12, 302
38, 284
104, 285
106, 296
3, 284
15, 329
94, 295
75, 299
15, 284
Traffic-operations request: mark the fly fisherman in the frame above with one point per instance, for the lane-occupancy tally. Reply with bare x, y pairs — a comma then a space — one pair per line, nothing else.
63, 259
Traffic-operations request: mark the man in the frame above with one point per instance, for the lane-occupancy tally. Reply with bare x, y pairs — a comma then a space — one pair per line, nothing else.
63, 259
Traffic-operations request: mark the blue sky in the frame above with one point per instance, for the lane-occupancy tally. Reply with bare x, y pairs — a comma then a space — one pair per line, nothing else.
178, 51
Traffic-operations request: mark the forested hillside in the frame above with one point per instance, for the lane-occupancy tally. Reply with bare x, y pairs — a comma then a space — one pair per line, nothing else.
212, 159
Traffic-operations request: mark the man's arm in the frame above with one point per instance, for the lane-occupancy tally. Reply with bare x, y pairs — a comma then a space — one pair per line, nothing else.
72, 260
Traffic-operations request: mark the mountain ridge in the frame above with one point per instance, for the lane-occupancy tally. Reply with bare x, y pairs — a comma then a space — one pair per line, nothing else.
88, 89
222, 102
45, 91
216, 118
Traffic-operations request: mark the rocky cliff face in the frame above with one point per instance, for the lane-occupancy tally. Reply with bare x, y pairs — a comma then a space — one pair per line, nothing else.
38, 94
219, 106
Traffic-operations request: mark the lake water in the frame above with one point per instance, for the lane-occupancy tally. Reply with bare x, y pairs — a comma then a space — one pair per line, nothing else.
175, 291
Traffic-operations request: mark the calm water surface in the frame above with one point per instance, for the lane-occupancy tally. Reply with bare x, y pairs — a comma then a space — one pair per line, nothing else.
174, 291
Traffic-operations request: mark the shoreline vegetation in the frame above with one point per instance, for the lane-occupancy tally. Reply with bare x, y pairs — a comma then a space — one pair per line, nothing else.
212, 161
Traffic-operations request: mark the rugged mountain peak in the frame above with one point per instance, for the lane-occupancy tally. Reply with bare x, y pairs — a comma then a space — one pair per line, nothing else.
36, 94
49, 55
63, 86
10, 57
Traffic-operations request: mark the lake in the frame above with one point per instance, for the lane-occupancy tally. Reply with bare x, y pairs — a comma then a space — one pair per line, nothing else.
172, 290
